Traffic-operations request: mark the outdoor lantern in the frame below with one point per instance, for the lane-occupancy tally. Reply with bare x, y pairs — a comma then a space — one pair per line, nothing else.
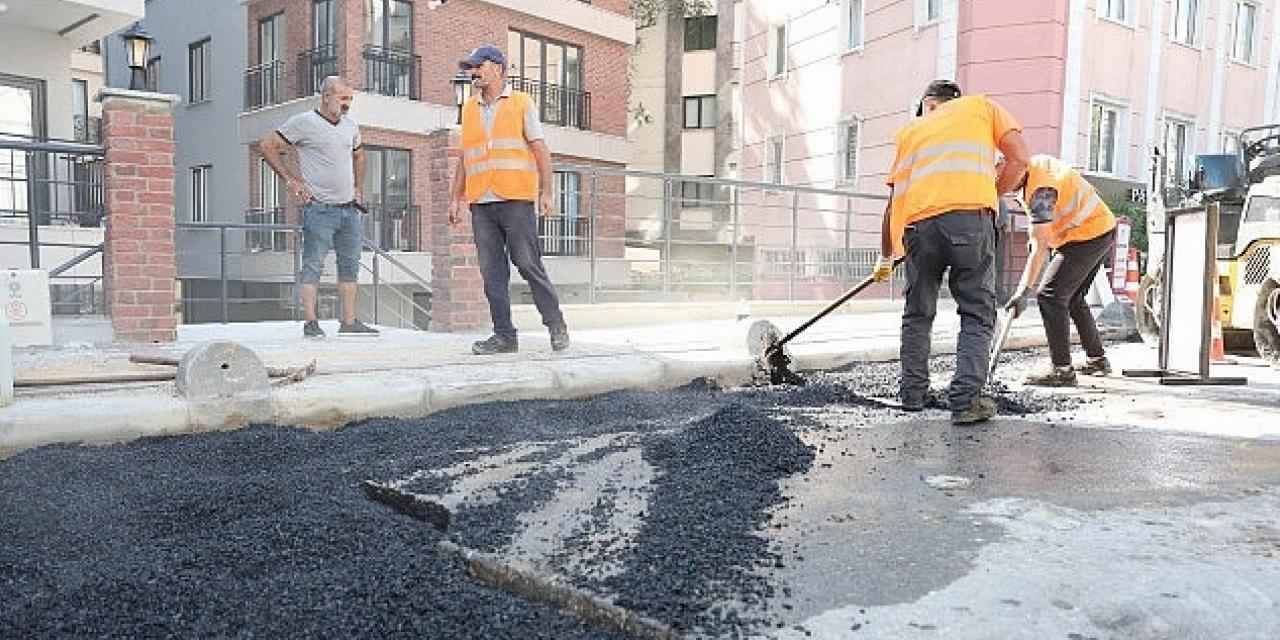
461, 90
137, 47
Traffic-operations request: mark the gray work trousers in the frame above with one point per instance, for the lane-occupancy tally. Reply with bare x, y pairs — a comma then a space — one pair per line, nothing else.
1062, 298
506, 233
963, 241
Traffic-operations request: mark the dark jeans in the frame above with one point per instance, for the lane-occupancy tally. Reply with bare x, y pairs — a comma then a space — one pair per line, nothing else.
506, 233
963, 241
1073, 270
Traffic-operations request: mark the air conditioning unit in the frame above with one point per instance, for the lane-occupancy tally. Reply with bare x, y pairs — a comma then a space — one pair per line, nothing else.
24, 300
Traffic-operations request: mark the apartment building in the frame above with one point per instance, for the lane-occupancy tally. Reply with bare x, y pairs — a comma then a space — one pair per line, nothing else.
826, 83
401, 56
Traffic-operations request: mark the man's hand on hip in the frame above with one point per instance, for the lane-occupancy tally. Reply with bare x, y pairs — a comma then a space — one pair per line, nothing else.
546, 204
299, 191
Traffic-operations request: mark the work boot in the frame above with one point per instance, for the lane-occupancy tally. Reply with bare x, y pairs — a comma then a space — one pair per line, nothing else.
912, 403
1055, 377
559, 338
980, 410
357, 328
1098, 366
495, 344
311, 329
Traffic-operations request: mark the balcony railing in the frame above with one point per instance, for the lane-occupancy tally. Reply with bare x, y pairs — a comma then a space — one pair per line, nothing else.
266, 239
264, 85
558, 105
564, 236
314, 65
390, 72
392, 227
88, 129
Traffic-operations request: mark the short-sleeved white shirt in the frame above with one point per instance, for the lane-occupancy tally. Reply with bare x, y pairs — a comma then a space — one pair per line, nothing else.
324, 154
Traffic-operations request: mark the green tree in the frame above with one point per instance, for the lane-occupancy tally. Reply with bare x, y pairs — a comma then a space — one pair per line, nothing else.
1137, 215
646, 12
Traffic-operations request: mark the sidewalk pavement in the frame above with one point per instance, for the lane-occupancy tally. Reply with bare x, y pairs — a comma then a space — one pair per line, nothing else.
406, 373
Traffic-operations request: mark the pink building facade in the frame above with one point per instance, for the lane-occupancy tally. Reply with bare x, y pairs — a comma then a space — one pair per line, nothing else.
1097, 82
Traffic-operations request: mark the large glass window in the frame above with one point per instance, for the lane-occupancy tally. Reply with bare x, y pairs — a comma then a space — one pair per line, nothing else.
1177, 150
389, 24
852, 19
1246, 24
199, 69
322, 23
700, 112
699, 33
1186, 21
551, 72
80, 109
1103, 139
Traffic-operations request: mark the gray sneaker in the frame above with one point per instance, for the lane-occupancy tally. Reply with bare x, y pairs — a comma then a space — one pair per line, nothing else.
357, 328
980, 410
1094, 367
311, 329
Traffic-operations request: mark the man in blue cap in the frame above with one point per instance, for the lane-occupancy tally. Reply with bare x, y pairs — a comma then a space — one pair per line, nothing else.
506, 167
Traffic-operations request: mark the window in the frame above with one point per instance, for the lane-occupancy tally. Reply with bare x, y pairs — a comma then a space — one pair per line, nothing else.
1117, 10
322, 23
389, 194
389, 24
700, 112
153, 74
774, 159
271, 187
199, 69
200, 177
1177, 150
1246, 19
1186, 21
847, 150
269, 32
697, 194
699, 33
551, 72
80, 109
1230, 142
1104, 138
566, 233
851, 22
778, 51
932, 10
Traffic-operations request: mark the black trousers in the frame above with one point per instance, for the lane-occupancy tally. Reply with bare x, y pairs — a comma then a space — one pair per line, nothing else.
506, 233
1062, 299
964, 242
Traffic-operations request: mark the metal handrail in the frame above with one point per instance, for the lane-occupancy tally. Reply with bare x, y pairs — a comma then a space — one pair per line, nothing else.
605, 170
70, 264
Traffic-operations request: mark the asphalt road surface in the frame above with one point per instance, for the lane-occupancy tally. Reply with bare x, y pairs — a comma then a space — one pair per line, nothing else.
816, 511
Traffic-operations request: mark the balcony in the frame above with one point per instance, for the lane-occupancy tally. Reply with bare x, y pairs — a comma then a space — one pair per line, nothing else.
563, 236
264, 85
392, 73
393, 226
558, 105
314, 65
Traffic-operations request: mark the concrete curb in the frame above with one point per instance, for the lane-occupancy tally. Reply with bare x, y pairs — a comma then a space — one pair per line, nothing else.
330, 401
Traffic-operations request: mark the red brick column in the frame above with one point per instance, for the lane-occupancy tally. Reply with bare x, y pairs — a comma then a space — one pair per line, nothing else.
139, 268
457, 289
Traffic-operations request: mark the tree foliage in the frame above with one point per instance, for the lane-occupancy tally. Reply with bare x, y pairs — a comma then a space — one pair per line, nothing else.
1137, 215
646, 12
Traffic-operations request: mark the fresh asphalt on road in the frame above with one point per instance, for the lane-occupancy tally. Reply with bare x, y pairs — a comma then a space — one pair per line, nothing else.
816, 511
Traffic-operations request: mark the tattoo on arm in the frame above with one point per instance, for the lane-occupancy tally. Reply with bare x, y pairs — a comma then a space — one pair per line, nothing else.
1042, 203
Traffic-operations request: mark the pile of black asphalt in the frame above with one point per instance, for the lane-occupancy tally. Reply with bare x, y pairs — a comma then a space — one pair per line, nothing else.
264, 532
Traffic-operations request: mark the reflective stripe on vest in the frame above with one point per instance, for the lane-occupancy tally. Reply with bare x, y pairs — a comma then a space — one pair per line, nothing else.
498, 161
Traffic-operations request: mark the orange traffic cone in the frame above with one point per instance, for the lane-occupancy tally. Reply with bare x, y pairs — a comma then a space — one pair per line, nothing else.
1132, 278
1217, 349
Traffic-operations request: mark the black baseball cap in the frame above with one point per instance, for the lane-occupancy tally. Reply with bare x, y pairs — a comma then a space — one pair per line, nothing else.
946, 89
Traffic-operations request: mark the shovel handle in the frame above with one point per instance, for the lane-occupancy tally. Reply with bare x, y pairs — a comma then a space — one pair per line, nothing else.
857, 288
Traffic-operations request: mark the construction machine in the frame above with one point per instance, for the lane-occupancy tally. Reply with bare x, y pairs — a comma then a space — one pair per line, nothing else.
1246, 186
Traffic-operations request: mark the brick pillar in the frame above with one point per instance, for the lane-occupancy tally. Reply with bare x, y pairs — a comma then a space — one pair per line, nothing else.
139, 268
457, 289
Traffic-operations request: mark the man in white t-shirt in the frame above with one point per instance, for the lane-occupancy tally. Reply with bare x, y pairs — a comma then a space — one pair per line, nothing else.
331, 164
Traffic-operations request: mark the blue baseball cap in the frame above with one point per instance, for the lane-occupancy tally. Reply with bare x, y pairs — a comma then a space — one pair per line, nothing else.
482, 53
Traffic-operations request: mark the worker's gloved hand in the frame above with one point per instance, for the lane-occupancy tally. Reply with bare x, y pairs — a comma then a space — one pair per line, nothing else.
883, 269
1017, 304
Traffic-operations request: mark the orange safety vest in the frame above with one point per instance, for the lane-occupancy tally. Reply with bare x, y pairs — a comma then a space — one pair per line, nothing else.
946, 162
500, 162
1080, 214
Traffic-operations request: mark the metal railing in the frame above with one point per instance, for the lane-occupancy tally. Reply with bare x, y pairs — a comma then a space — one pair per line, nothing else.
314, 65
558, 105
564, 236
391, 72
233, 272
393, 227
87, 129
265, 85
